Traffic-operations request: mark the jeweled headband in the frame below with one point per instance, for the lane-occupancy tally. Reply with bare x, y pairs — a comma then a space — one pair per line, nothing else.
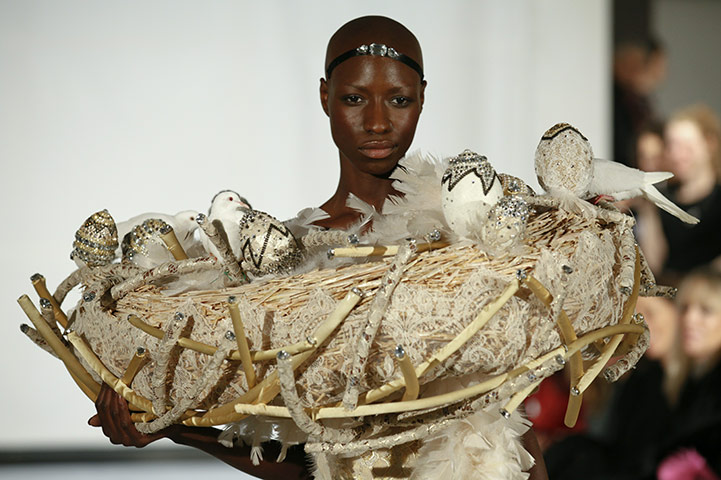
377, 50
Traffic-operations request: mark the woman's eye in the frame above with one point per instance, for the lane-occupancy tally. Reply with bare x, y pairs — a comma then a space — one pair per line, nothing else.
352, 99
401, 101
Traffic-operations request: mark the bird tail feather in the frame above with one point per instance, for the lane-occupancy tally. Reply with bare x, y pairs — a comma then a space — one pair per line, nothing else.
665, 204
656, 177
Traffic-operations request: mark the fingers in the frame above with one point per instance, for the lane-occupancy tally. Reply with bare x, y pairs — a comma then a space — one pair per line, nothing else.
114, 418
94, 421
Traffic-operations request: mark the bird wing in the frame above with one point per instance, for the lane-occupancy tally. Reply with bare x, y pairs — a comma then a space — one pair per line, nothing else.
652, 194
621, 182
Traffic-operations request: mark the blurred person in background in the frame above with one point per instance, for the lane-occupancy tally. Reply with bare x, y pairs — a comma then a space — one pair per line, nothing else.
638, 69
627, 436
693, 138
650, 157
692, 447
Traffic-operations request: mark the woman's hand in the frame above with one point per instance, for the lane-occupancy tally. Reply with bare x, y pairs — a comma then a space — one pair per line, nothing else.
114, 418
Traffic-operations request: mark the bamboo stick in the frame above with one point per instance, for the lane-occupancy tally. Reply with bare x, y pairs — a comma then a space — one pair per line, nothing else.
200, 347
37, 339
235, 271
42, 290
242, 342
268, 388
449, 349
446, 398
568, 334
136, 363
70, 282
48, 313
71, 362
163, 368
136, 401
163, 270
611, 346
379, 250
210, 375
409, 374
366, 336
295, 407
518, 398
167, 235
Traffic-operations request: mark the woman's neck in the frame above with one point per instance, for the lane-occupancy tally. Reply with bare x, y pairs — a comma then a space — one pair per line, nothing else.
372, 189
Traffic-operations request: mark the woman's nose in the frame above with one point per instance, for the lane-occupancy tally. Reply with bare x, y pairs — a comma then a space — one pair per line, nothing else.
376, 118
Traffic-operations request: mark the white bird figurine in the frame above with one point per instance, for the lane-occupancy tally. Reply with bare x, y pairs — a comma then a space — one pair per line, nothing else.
469, 189
565, 165
227, 208
183, 223
621, 182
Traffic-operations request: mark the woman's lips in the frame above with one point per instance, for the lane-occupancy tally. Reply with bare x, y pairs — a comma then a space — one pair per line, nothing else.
377, 149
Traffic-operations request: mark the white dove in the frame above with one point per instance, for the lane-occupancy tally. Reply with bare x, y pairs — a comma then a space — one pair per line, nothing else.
183, 223
227, 207
621, 182
566, 168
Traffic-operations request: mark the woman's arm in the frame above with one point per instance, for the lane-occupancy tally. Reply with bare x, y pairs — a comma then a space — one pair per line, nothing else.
530, 443
114, 418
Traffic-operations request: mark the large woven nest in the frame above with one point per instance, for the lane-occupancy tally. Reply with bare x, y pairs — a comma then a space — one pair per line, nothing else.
194, 372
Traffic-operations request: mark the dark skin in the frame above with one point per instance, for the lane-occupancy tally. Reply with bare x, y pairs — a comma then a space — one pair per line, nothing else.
373, 105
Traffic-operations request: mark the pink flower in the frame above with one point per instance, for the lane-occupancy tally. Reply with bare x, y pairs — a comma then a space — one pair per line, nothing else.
685, 464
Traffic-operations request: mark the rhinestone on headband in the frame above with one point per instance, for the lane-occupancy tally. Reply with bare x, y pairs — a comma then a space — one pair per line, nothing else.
376, 50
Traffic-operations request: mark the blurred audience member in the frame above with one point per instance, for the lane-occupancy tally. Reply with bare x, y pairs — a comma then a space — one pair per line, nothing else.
626, 444
650, 147
693, 137
693, 442
638, 69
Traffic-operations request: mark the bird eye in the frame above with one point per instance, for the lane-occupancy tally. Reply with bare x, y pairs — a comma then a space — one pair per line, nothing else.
230, 198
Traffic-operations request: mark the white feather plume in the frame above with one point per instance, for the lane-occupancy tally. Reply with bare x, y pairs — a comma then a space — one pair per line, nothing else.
483, 445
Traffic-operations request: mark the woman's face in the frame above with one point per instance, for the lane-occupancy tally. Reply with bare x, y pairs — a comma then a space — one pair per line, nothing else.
660, 314
650, 152
687, 151
700, 308
373, 104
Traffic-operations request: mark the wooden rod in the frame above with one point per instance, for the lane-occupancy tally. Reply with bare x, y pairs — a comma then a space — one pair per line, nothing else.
409, 374
611, 346
443, 399
518, 398
379, 250
267, 389
568, 335
136, 363
171, 241
41, 288
245, 359
451, 347
200, 347
71, 362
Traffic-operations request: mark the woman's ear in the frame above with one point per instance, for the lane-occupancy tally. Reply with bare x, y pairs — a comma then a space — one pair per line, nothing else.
324, 95
423, 92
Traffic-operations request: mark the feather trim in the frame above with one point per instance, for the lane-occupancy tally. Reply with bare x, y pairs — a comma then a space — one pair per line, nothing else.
483, 445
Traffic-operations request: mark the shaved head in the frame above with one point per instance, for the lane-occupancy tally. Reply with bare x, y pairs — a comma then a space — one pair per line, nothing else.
373, 29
